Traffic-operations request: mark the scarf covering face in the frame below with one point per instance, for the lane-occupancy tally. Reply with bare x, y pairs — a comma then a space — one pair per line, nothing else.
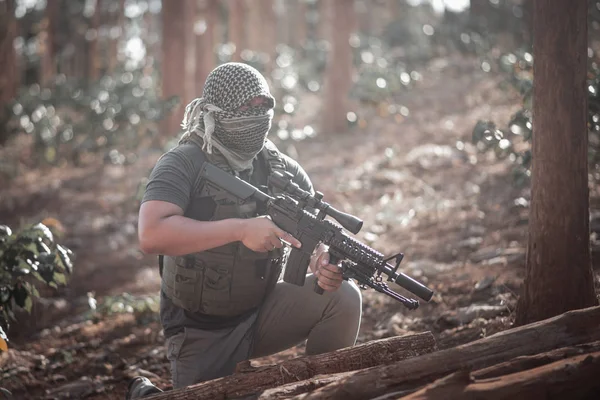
238, 135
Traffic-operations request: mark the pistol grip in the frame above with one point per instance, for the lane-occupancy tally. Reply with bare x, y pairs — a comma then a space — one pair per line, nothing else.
318, 289
332, 260
296, 267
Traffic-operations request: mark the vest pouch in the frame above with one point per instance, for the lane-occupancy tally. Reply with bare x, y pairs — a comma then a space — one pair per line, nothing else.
251, 278
182, 282
216, 287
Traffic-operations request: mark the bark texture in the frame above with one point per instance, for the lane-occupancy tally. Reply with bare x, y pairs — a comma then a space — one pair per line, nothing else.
573, 378
574, 327
173, 66
338, 71
208, 14
236, 26
251, 380
559, 274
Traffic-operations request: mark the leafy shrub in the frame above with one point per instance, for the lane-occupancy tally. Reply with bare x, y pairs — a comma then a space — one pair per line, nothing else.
144, 308
513, 142
71, 118
32, 252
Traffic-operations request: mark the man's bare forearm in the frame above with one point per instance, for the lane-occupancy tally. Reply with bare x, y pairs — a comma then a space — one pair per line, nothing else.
178, 235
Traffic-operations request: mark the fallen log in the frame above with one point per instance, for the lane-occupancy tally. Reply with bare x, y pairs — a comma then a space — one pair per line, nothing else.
528, 362
571, 328
464, 377
515, 365
295, 388
571, 378
251, 380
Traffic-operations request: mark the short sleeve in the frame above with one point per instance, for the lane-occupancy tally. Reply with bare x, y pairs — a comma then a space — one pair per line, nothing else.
174, 175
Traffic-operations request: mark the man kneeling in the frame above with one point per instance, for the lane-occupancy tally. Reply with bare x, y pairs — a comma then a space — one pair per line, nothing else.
221, 298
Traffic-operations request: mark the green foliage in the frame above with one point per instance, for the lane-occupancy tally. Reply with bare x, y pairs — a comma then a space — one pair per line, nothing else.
513, 142
72, 119
30, 253
144, 308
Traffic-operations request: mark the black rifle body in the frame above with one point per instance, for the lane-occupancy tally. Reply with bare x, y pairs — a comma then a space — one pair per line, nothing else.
289, 212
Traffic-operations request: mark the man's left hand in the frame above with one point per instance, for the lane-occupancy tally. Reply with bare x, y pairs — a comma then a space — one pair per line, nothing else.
329, 276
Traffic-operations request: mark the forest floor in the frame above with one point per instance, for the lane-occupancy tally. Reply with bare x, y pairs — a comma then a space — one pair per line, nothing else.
419, 184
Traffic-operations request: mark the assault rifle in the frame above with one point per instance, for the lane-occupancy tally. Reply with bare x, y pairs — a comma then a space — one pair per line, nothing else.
290, 212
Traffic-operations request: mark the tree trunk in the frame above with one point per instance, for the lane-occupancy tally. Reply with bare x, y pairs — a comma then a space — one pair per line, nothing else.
323, 24
48, 43
300, 26
254, 25
393, 8
527, 21
117, 23
151, 41
189, 55
79, 58
173, 63
205, 38
479, 8
573, 327
262, 31
256, 379
236, 32
94, 66
9, 78
287, 20
267, 44
365, 17
559, 274
573, 378
338, 71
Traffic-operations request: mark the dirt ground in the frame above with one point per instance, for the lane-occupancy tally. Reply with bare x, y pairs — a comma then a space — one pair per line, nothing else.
417, 181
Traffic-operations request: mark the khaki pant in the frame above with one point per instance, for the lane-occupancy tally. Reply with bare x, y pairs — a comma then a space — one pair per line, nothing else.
290, 315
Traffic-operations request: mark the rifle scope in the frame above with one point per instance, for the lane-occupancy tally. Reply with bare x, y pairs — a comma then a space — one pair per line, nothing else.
285, 184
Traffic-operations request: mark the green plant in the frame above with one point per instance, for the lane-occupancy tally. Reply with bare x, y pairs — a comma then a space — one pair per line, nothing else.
32, 252
71, 118
145, 308
514, 141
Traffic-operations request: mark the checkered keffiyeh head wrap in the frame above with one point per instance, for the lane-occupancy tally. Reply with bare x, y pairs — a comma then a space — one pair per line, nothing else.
216, 117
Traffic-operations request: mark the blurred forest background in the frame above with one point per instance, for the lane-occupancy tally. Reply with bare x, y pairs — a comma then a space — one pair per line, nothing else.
414, 115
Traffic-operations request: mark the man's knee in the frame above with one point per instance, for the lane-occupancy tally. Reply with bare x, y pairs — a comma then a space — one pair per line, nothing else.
349, 300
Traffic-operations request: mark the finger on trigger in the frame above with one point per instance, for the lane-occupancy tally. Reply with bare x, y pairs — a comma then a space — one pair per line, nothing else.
286, 237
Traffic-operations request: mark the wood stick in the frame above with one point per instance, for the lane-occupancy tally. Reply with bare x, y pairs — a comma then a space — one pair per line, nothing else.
572, 378
528, 362
571, 328
252, 380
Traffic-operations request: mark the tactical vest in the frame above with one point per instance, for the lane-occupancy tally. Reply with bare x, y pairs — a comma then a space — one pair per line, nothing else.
231, 279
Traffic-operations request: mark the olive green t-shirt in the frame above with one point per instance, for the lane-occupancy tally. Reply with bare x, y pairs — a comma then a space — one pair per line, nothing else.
172, 180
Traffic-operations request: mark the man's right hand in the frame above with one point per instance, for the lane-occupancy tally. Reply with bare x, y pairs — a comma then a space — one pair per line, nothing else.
261, 234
